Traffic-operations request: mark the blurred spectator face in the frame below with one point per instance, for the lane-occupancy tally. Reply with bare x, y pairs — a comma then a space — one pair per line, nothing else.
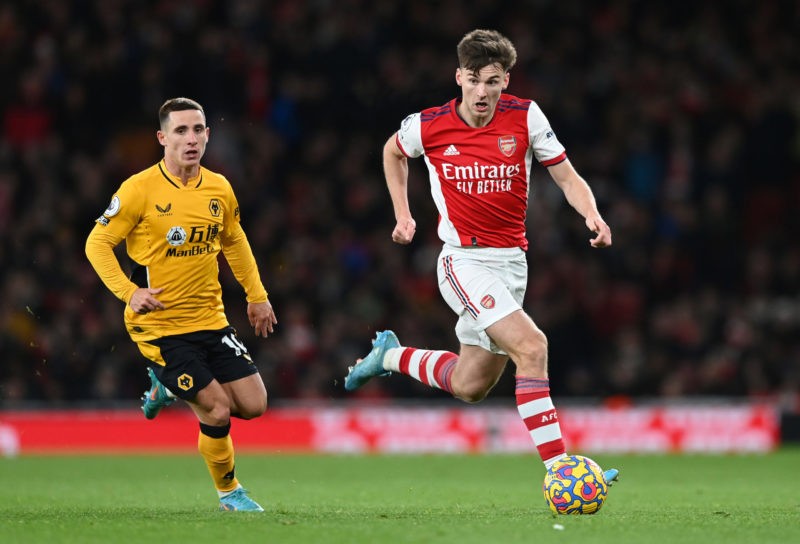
184, 139
480, 92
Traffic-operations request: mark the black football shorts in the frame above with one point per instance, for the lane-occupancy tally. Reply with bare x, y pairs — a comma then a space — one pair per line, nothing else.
186, 363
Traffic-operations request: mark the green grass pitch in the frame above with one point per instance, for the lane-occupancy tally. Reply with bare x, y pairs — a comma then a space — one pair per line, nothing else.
396, 499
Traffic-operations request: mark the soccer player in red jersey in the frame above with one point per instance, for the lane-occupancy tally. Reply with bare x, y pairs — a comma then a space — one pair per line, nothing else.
479, 149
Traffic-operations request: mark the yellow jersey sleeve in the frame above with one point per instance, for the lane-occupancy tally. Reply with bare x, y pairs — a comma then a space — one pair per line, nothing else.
106, 235
239, 254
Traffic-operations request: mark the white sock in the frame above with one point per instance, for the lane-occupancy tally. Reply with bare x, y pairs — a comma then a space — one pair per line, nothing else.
550, 462
391, 359
226, 493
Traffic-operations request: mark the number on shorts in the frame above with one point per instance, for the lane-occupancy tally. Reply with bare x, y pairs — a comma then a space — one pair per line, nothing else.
234, 343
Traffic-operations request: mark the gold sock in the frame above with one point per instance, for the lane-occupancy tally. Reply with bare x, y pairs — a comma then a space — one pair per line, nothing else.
216, 447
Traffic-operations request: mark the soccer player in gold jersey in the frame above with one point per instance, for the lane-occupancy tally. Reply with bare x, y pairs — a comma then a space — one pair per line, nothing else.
175, 218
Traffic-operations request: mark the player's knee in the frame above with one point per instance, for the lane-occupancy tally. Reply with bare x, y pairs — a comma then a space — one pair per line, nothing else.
219, 415
538, 343
253, 408
474, 397
531, 356
471, 393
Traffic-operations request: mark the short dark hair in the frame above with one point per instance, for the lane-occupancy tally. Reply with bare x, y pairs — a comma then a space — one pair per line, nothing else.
177, 104
481, 48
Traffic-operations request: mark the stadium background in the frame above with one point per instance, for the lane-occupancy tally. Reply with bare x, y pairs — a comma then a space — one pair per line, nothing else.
685, 122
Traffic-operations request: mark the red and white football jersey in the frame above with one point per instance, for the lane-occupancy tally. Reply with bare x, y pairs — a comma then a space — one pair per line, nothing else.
480, 177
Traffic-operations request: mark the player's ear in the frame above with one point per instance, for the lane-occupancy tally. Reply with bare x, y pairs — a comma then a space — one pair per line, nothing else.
161, 137
506, 80
458, 77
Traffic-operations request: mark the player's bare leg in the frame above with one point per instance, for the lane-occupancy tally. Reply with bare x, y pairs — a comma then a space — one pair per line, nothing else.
521, 338
213, 406
247, 397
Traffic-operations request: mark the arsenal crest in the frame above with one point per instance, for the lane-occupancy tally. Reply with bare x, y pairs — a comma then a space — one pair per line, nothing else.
507, 145
487, 302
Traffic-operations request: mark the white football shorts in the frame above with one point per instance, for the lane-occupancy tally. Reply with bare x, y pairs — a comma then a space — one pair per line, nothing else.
482, 285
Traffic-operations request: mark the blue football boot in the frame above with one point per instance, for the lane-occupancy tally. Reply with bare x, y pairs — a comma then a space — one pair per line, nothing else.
611, 475
371, 365
238, 501
156, 397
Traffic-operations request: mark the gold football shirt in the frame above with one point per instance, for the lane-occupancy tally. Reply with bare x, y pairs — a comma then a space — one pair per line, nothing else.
173, 235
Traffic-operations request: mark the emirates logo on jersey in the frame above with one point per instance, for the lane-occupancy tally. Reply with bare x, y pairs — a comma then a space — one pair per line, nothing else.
487, 302
507, 145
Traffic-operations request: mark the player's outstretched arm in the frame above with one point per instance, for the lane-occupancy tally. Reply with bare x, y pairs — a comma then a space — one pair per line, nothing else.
240, 258
395, 168
100, 252
580, 196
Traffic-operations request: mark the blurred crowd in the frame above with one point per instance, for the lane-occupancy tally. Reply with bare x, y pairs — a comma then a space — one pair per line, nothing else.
685, 121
